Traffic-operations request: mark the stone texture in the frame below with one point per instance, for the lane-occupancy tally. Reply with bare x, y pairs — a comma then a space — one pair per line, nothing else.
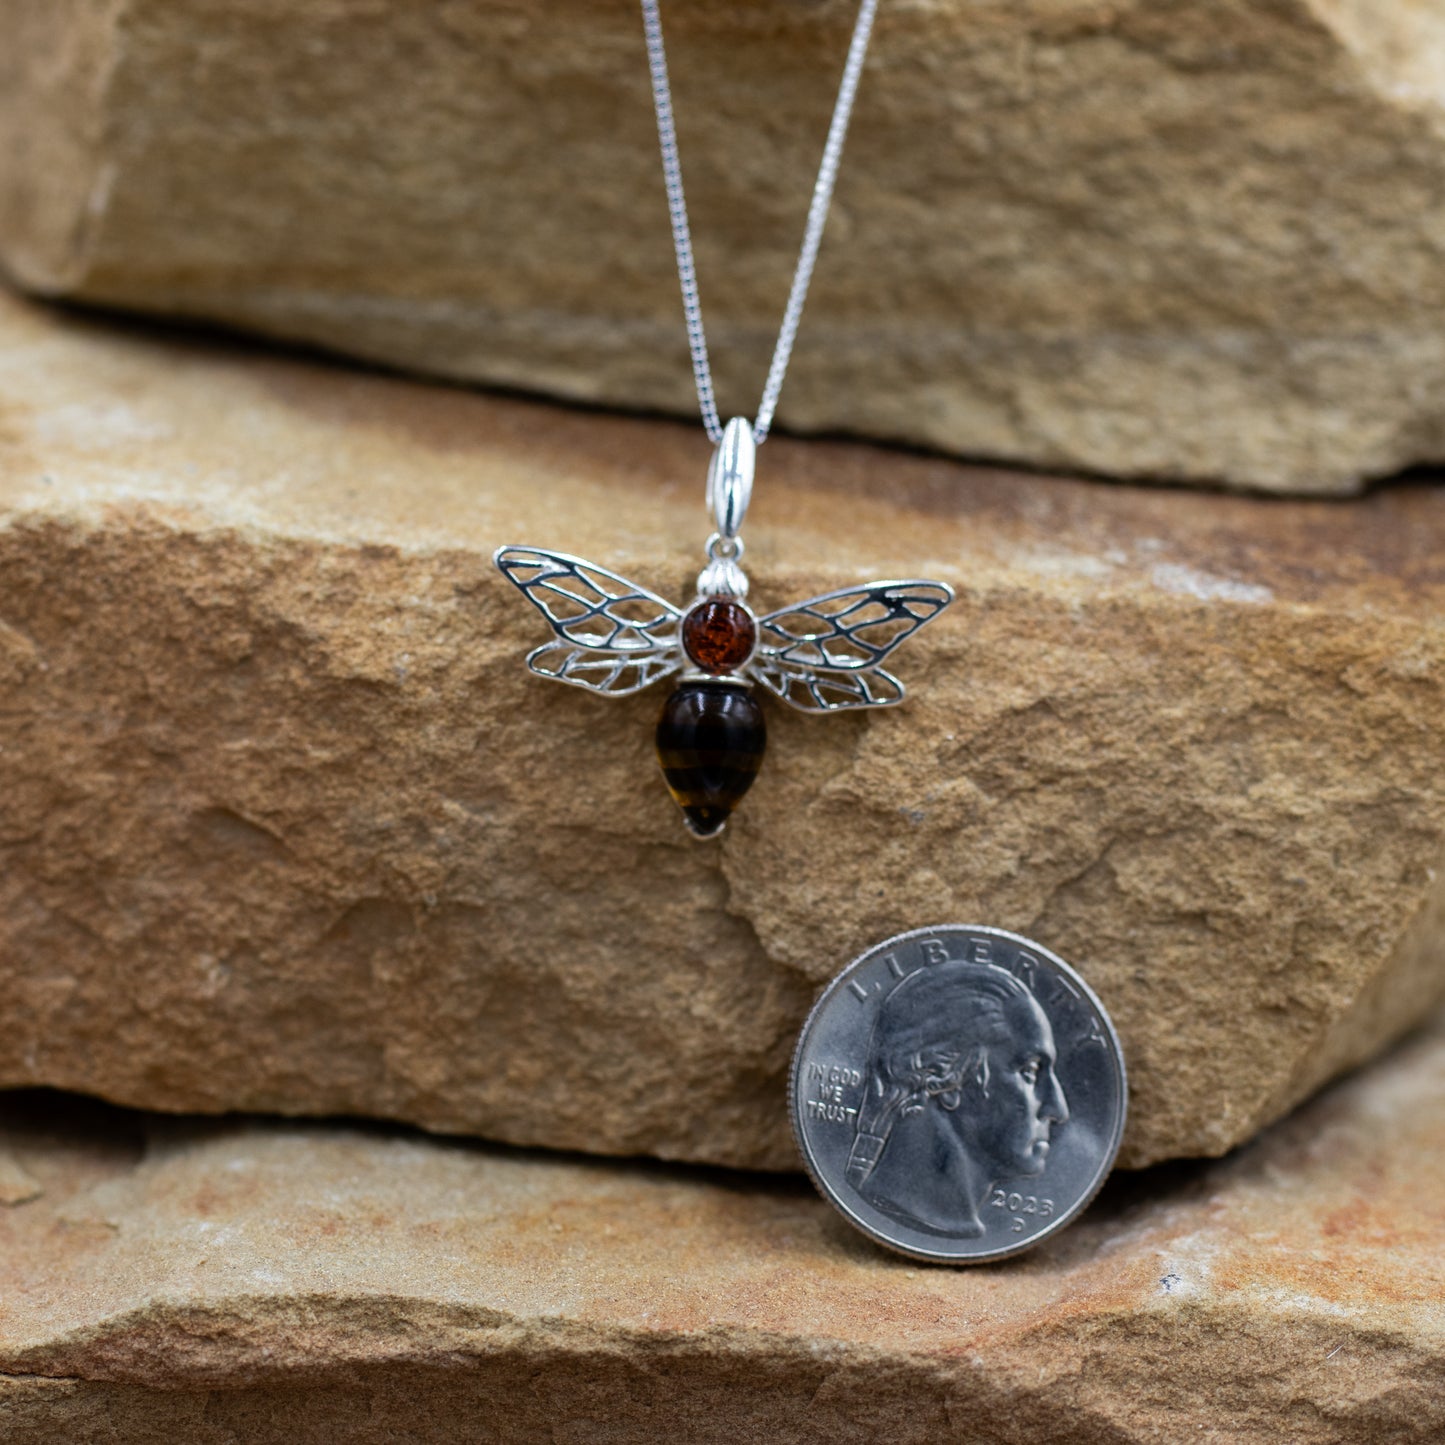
1182, 241
229, 1282
287, 826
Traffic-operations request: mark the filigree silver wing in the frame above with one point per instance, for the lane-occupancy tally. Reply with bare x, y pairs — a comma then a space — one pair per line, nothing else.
827, 653
613, 636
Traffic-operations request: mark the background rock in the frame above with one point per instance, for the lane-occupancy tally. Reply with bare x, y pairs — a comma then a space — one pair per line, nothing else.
1183, 241
288, 827
262, 1282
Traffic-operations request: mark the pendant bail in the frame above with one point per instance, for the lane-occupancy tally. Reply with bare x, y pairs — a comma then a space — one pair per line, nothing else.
730, 478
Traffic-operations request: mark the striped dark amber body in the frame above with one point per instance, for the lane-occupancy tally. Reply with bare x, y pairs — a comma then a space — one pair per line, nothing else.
710, 742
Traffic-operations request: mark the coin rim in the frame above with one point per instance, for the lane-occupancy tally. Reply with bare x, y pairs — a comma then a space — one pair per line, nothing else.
1106, 1164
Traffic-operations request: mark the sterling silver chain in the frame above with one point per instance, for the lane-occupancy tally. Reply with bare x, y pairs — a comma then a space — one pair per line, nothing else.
615, 637
812, 236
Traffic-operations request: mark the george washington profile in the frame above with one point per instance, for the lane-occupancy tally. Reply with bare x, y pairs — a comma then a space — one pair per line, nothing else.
960, 1091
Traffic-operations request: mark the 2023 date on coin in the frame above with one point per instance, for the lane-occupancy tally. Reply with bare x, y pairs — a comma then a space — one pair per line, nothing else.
958, 1093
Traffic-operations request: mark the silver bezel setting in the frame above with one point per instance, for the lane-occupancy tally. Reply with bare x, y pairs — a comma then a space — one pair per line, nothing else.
738, 672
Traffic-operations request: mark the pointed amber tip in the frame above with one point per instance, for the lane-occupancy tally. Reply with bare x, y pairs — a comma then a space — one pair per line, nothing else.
705, 822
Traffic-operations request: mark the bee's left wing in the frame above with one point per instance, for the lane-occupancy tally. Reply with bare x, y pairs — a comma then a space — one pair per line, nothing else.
827, 653
615, 673
587, 605
612, 636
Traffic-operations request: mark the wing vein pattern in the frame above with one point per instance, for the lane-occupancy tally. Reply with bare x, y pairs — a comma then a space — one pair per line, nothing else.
612, 636
827, 653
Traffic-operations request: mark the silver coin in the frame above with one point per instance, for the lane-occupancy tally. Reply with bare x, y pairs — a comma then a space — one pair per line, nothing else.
958, 1093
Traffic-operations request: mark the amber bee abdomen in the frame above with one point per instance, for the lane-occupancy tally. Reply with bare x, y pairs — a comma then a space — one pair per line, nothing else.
710, 742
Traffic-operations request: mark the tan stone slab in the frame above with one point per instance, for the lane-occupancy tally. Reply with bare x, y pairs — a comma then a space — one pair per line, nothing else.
234, 1282
287, 826
1177, 241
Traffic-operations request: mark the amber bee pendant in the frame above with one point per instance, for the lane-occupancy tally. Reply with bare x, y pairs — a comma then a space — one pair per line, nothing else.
614, 637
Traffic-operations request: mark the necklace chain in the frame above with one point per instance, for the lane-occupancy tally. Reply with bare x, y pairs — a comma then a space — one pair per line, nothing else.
812, 235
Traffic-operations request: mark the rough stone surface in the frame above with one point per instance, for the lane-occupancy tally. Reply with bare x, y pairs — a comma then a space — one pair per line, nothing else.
227, 1282
1183, 241
288, 827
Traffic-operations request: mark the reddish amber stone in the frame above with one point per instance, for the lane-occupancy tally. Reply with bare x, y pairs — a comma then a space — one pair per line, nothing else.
718, 634
710, 741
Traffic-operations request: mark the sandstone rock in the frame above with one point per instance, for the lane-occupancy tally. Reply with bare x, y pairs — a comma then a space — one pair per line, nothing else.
288, 827
221, 1282
1177, 241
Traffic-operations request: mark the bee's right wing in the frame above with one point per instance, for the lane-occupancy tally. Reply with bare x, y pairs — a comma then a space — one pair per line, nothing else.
612, 635
826, 654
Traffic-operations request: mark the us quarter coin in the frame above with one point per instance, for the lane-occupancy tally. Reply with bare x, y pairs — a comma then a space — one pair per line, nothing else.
958, 1093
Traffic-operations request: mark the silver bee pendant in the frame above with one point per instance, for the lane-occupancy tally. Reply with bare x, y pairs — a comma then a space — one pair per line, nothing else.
615, 637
